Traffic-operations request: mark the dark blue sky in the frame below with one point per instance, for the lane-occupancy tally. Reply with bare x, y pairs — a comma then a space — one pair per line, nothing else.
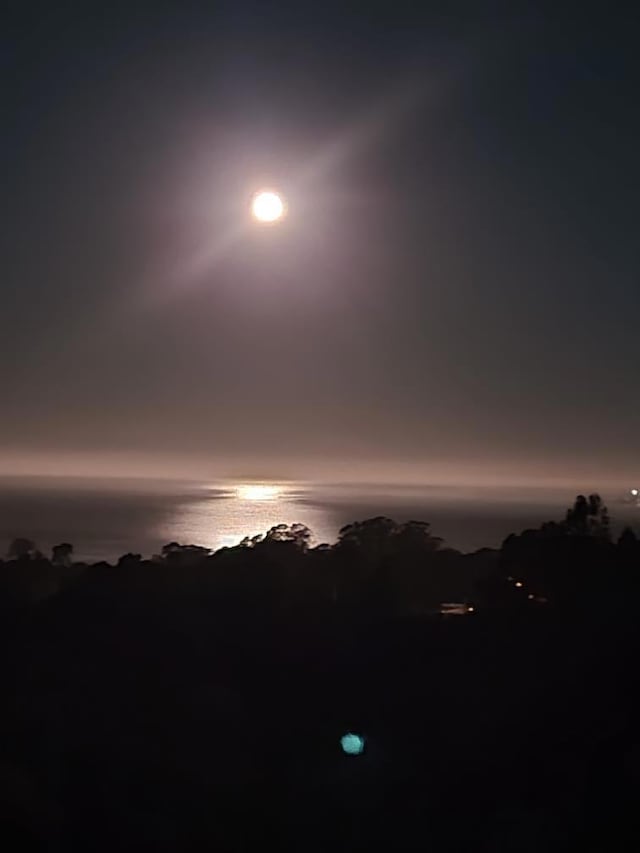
456, 286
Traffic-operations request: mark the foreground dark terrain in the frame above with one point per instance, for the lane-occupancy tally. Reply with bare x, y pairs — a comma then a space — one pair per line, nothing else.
196, 700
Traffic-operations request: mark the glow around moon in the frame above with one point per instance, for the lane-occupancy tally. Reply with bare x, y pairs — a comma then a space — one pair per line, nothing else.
268, 207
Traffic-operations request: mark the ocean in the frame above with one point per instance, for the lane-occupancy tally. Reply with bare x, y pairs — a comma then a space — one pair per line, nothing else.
108, 518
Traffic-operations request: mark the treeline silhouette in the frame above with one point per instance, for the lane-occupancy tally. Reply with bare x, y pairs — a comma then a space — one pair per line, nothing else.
197, 699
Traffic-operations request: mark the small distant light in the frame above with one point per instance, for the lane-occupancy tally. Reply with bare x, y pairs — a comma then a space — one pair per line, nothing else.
470, 608
518, 583
530, 596
352, 744
635, 492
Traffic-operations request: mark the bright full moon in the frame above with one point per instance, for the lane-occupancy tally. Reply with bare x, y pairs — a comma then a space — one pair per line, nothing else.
267, 206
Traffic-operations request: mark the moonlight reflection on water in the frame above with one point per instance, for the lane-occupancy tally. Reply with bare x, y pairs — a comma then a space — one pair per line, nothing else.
222, 517
223, 514
106, 519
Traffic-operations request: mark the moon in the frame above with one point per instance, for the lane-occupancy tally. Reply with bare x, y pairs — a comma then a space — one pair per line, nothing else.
267, 206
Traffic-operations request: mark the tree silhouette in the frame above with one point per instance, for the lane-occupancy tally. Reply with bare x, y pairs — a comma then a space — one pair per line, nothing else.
175, 552
129, 559
415, 538
628, 539
22, 549
371, 538
589, 517
61, 554
298, 534
400, 564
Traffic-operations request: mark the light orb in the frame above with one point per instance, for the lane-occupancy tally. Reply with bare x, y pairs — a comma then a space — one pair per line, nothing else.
634, 492
352, 744
267, 206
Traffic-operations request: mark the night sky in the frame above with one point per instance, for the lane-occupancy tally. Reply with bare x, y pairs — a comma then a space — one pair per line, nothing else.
454, 292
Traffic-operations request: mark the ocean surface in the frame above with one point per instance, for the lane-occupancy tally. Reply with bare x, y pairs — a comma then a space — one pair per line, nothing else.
106, 519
